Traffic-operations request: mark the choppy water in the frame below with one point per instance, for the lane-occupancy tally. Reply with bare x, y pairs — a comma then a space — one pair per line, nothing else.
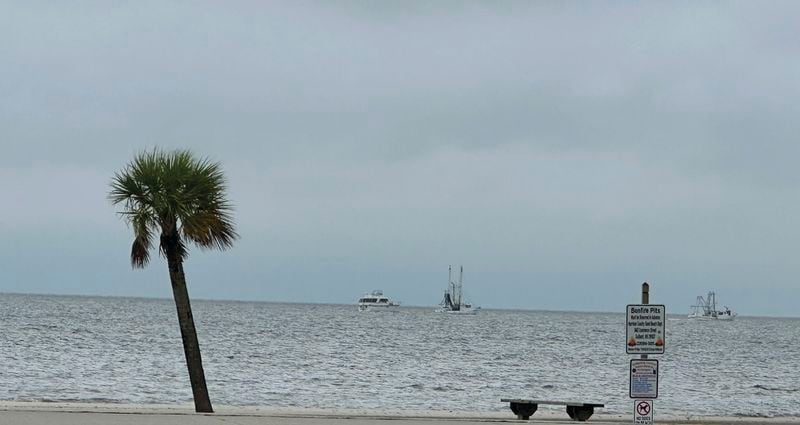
331, 356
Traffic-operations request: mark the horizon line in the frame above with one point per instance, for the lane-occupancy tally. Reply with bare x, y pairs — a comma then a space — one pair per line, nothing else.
343, 304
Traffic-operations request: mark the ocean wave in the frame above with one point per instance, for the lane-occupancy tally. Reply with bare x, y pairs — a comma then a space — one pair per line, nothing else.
766, 388
99, 400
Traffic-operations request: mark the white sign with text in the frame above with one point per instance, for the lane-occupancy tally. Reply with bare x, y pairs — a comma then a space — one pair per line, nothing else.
643, 412
644, 378
645, 330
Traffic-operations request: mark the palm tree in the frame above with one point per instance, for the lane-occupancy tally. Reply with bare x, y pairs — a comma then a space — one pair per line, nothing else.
182, 199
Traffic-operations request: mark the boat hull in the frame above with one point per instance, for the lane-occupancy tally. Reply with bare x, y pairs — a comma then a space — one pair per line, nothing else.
723, 318
378, 308
465, 312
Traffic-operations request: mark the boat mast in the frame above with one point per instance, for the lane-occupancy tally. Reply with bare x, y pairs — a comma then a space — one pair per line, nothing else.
712, 299
450, 283
447, 302
449, 276
452, 289
460, 286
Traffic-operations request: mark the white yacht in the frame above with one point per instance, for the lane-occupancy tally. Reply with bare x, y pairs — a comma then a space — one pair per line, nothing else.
376, 301
454, 301
706, 308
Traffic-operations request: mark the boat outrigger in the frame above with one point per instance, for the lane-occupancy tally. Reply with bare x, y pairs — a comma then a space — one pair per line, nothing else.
454, 301
706, 308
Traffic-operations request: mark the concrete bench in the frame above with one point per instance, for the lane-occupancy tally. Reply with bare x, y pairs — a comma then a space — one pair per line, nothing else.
578, 411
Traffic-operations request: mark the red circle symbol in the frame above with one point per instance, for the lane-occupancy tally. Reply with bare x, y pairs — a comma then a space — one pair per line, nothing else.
643, 408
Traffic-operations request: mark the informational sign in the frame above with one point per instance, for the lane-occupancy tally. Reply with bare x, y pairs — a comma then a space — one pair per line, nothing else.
643, 412
645, 330
644, 378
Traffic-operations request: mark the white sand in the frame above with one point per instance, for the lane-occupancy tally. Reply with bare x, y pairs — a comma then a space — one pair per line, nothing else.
36, 413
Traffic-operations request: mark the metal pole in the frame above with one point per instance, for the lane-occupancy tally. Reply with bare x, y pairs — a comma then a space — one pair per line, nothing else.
645, 300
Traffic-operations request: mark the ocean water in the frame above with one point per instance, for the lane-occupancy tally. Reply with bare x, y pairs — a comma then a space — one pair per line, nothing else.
121, 350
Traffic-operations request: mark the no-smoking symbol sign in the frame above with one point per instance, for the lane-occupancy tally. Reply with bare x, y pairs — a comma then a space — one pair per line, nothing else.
643, 412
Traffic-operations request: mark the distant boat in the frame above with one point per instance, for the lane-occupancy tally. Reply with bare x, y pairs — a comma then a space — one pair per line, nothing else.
376, 301
706, 308
454, 301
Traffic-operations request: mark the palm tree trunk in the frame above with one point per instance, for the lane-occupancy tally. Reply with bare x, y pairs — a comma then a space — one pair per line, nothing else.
191, 348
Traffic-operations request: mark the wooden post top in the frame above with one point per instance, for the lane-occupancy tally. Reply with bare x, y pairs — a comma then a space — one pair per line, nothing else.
645, 293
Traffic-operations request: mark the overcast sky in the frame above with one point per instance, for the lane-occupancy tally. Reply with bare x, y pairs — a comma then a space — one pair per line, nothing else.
563, 152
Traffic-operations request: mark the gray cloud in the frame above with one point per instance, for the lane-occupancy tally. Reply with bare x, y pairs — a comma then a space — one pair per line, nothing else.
546, 145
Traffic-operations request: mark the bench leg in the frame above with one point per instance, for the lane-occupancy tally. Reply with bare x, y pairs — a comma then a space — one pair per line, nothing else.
582, 413
524, 411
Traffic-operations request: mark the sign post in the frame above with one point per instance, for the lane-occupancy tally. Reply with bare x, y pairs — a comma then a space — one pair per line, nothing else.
645, 334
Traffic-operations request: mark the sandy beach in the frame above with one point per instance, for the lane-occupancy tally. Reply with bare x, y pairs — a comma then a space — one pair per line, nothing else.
37, 413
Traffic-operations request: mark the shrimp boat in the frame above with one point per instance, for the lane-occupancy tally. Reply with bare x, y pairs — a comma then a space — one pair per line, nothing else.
454, 301
376, 301
706, 308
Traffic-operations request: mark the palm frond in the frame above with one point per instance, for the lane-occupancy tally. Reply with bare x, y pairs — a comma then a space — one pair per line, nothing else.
213, 229
142, 242
178, 195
